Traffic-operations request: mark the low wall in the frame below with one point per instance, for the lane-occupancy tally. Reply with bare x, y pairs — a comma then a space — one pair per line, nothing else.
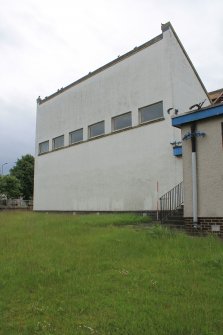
205, 226
16, 204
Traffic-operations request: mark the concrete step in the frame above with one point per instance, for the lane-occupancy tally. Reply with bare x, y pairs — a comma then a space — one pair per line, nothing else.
174, 222
179, 227
178, 212
171, 225
175, 218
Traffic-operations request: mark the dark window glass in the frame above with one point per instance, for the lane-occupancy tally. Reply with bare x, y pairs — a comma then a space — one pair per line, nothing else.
122, 121
151, 112
58, 142
97, 129
76, 136
43, 147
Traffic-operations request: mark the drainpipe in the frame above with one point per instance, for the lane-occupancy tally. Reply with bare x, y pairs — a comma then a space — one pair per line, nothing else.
194, 173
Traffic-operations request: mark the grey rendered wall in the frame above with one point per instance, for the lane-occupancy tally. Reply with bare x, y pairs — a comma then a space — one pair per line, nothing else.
209, 170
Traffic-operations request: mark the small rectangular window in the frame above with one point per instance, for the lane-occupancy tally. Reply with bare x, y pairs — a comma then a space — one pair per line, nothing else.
122, 121
76, 136
96, 129
43, 147
151, 112
58, 142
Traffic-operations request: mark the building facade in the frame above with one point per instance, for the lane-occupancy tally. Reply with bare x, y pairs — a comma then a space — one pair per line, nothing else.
206, 214
103, 142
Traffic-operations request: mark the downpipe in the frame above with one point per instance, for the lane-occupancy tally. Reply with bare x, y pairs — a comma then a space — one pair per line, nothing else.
194, 175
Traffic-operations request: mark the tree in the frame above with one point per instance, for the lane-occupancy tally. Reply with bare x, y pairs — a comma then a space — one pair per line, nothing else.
10, 187
24, 172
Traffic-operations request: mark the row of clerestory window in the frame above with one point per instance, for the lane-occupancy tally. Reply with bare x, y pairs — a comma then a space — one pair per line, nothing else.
123, 121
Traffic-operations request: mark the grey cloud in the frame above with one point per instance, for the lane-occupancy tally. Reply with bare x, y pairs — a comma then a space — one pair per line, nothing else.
46, 44
9, 37
17, 132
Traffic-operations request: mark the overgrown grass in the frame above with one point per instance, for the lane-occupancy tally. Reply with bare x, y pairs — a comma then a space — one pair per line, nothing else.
63, 274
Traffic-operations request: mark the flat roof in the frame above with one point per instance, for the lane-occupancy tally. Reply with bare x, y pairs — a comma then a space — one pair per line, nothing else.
197, 115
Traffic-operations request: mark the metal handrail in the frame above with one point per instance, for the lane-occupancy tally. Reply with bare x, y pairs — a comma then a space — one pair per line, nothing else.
171, 201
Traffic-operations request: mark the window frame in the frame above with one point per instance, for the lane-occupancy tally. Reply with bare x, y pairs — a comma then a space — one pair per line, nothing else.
43, 152
140, 110
94, 124
70, 134
53, 142
119, 116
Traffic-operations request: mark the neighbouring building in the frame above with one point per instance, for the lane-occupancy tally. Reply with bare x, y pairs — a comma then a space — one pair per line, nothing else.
103, 143
216, 97
202, 135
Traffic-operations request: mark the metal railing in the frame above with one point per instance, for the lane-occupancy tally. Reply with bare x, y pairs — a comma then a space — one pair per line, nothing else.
171, 201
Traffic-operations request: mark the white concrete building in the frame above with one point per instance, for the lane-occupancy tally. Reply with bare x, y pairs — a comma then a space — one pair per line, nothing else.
103, 142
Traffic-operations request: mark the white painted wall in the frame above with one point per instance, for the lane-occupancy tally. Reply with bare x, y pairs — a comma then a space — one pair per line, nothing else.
119, 171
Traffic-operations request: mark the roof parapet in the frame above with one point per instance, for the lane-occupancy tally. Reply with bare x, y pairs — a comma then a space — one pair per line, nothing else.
104, 67
166, 26
197, 115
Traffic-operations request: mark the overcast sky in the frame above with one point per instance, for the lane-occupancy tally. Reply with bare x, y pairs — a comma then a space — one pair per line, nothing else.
47, 44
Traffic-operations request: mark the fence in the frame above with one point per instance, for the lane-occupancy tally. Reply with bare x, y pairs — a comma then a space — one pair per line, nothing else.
16, 204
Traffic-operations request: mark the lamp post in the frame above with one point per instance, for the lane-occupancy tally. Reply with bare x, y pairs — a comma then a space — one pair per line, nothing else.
2, 167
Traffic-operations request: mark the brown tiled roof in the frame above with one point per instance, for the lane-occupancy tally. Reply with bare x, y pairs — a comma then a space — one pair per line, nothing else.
216, 97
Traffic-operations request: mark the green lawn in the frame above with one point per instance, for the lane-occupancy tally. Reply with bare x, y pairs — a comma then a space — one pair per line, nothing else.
64, 274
